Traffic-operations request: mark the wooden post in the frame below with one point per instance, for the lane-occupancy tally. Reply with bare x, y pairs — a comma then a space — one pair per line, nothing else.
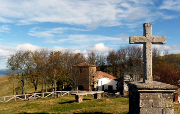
176, 98
4, 99
25, 96
14, 97
43, 95
53, 93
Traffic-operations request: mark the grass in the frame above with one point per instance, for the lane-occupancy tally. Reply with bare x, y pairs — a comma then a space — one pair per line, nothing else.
176, 108
67, 105
63, 105
6, 87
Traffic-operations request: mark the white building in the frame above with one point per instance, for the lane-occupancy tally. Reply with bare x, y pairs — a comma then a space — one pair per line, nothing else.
105, 81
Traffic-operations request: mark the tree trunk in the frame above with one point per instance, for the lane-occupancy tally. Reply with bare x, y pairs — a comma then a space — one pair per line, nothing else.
22, 86
35, 88
46, 83
42, 85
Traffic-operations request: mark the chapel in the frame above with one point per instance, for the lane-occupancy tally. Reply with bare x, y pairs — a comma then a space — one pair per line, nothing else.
87, 78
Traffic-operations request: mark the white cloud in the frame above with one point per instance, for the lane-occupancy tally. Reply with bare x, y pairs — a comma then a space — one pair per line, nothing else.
99, 48
123, 36
171, 5
170, 48
56, 48
62, 35
51, 32
6, 51
77, 51
69, 11
4, 28
90, 13
94, 25
90, 39
26, 47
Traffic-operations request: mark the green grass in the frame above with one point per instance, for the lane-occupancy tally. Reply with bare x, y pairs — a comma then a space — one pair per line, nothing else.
6, 87
63, 105
67, 105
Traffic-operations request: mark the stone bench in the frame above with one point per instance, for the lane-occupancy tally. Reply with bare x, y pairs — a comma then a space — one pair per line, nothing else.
79, 96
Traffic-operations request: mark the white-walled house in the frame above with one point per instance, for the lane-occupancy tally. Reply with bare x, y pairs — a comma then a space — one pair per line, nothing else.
105, 81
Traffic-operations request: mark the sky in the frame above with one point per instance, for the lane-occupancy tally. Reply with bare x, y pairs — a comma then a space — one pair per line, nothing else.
84, 25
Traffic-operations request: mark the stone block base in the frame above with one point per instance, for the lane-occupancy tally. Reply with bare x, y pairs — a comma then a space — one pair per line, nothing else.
155, 98
79, 98
97, 96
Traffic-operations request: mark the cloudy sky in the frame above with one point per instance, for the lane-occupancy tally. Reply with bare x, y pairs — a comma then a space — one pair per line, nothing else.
84, 25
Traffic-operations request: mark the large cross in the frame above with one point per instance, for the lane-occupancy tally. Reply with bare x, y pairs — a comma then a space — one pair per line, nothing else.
147, 40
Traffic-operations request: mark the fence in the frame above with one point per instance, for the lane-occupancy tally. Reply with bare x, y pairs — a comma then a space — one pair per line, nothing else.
34, 96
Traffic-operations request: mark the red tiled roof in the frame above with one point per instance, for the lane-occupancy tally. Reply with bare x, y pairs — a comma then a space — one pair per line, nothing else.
85, 64
100, 74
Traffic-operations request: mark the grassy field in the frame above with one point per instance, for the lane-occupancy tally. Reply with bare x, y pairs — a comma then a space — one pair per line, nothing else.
64, 105
67, 105
6, 87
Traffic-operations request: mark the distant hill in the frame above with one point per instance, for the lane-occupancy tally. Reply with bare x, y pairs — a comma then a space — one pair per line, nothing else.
3, 72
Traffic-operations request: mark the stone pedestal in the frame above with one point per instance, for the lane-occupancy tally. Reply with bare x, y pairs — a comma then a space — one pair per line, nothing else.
97, 96
79, 98
151, 98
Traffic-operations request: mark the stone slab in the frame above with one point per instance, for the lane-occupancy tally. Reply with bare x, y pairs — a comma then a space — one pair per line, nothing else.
152, 86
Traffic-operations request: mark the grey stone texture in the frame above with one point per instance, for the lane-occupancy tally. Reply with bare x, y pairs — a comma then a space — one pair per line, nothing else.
152, 100
84, 75
147, 40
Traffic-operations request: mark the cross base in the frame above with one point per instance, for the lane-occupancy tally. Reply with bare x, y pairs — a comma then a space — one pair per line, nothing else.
154, 98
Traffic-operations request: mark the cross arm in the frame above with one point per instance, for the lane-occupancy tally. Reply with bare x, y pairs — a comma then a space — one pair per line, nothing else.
159, 39
137, 39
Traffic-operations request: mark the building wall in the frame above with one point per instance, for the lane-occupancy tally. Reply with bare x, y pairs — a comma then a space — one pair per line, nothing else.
85, 77
105, 82
92, 71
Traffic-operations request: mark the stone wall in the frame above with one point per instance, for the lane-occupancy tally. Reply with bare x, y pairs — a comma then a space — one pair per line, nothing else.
151, 99
85, 76
157, 103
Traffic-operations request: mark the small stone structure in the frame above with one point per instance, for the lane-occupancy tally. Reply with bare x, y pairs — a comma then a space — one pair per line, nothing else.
84, 76
150, 97
79, 96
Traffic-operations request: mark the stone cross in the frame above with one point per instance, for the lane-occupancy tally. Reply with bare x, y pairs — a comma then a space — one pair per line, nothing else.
147, 40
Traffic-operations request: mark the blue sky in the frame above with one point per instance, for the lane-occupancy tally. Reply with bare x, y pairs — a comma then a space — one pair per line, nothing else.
84, 25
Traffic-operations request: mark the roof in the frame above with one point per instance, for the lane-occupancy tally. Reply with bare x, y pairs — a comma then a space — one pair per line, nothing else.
100, 74
85, 64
